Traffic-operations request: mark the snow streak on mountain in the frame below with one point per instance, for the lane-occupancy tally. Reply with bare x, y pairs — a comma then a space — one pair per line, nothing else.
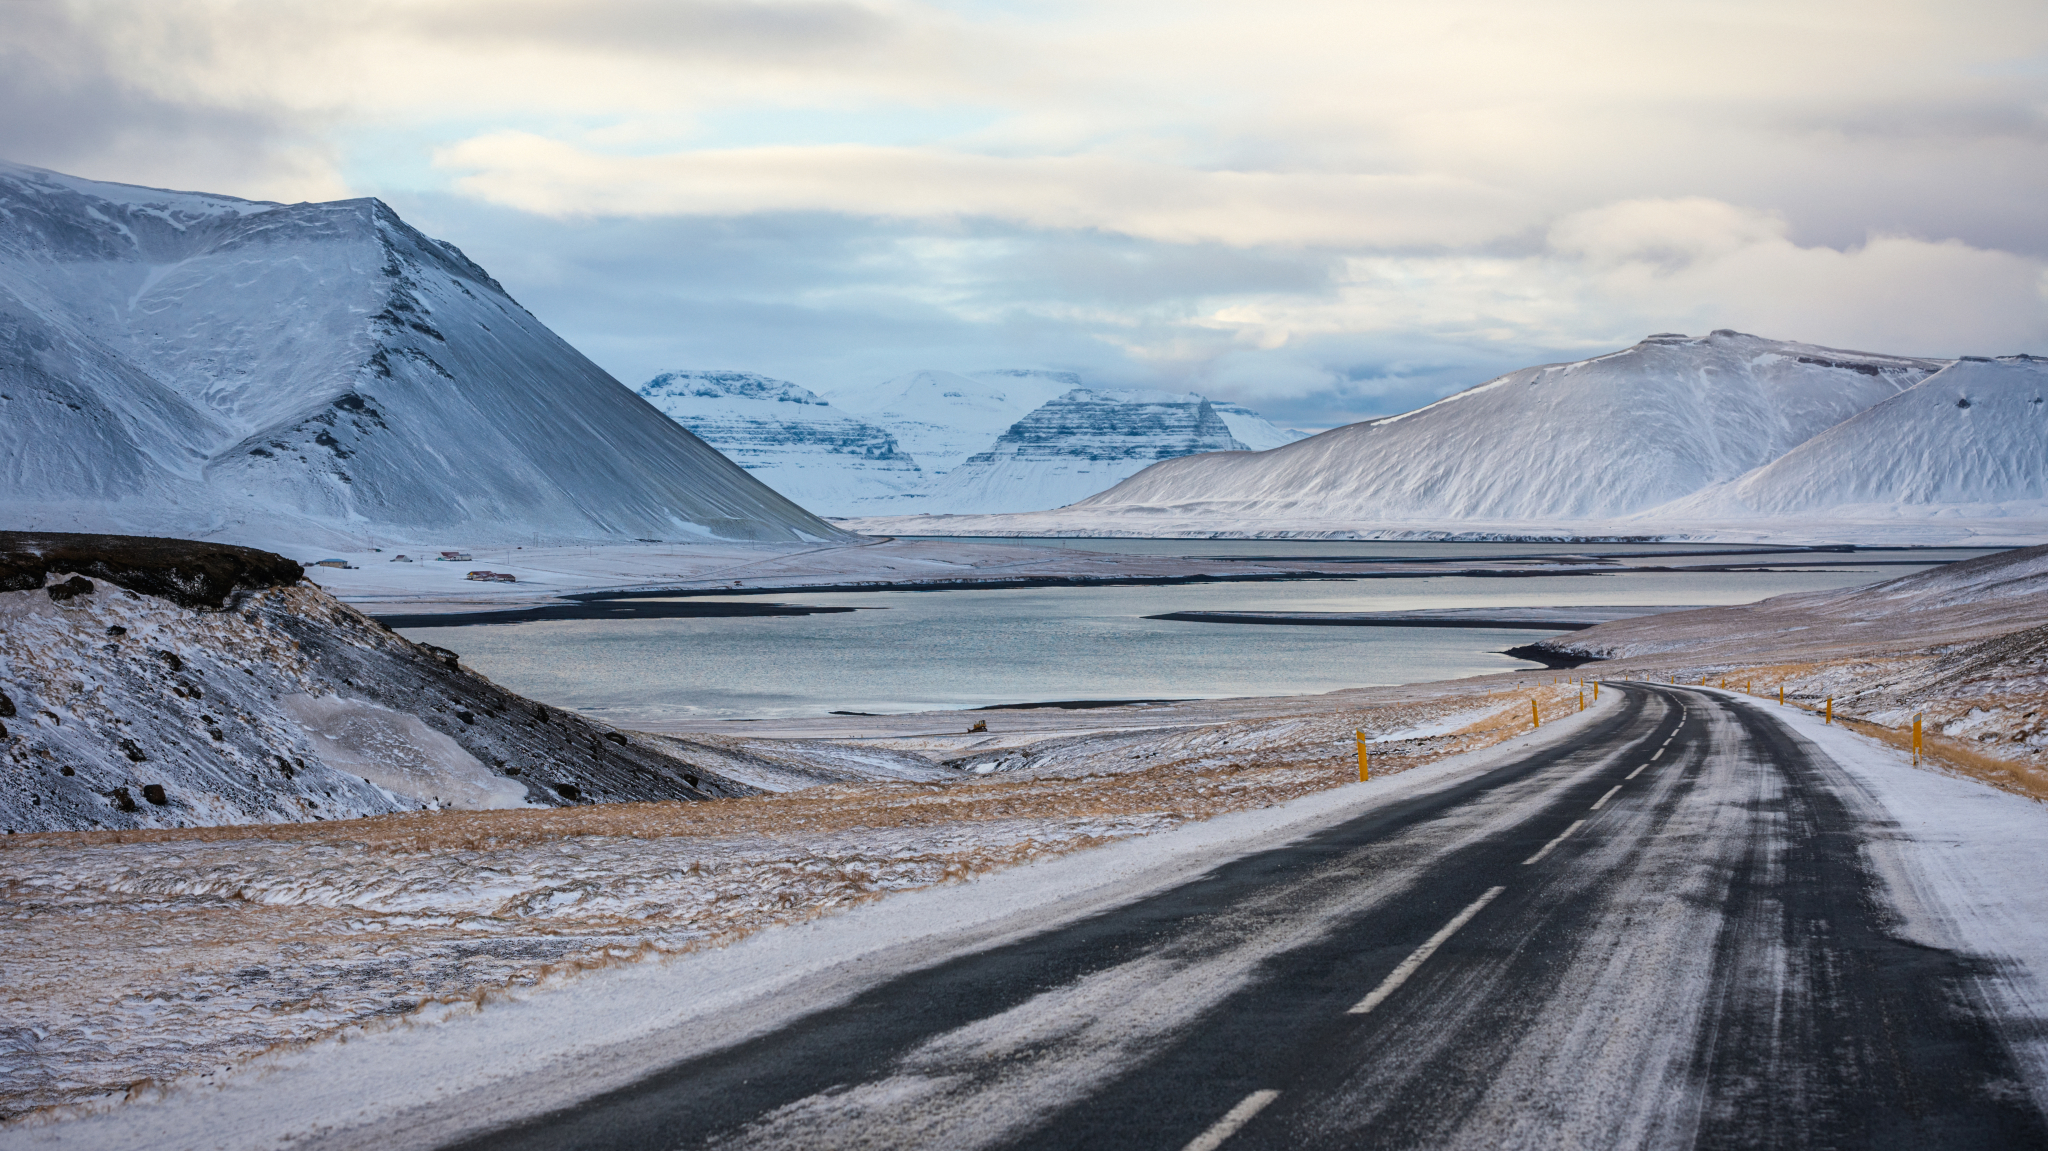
1592, 440
789, 438
175, 363
1080, 444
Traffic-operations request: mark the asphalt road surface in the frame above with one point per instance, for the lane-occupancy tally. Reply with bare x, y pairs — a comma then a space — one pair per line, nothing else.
1660, 934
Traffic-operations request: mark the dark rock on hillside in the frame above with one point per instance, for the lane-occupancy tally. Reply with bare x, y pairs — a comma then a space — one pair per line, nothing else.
205, 685
186, 572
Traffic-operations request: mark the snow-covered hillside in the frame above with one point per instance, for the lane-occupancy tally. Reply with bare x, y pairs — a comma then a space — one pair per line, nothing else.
165, 683
1561, 448
789, 439
307, 374
1077, 445
1970, 441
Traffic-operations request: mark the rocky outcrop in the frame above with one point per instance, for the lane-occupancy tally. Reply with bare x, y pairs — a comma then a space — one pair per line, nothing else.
189, 684
187, 573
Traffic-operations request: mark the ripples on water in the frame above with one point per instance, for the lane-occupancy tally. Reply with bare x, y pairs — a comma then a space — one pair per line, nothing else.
914, 651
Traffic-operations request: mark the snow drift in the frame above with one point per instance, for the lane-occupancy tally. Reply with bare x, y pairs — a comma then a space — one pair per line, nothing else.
179, 363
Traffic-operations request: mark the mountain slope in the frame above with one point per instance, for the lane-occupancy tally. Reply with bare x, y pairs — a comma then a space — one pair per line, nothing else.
1969, 441
788, 438
1556, 444
178, 362
1077, 445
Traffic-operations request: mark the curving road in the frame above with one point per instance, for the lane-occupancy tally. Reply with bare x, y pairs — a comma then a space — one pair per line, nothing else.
1660, 934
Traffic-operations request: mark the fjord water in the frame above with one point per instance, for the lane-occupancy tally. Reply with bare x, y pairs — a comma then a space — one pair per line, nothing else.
920, 650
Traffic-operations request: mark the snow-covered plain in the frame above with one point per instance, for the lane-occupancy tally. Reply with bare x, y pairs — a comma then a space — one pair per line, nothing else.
306, 375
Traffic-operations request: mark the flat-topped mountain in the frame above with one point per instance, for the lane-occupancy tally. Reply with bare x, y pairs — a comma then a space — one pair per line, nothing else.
1080, 444
789, 438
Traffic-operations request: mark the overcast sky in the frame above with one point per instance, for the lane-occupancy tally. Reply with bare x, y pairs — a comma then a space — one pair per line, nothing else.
1326, 211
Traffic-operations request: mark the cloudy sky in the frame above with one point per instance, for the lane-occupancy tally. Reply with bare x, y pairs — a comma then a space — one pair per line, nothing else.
1325, 210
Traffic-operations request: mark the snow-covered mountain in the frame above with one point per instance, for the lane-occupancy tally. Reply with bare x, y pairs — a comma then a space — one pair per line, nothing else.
789, 438
1253, 430
1970, 441
1080, 444
181, 363
941, 418
1547, 448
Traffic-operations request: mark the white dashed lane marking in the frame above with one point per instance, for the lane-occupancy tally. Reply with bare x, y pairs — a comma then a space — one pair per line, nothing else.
1233, 1119
1420, 955
1576, 824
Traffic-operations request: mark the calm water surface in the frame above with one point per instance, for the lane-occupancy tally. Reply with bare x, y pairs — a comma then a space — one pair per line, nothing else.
915, 651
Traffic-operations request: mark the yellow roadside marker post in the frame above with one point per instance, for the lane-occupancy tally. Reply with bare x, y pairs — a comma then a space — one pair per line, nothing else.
1535, 720
1582, 699
1596, 691
1916, 738
1364, 768
1831, 710
1781, 695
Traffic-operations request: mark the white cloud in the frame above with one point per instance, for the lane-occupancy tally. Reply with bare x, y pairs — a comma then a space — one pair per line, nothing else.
1620, 271
1292, 198
1095, 191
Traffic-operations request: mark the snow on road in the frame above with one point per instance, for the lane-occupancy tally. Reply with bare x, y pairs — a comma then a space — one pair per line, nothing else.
1961, 866
151, 956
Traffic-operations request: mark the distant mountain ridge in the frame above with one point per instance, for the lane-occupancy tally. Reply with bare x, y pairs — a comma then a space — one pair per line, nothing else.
1725, 436
1004, 439
788, 437
1080, 444
177, 363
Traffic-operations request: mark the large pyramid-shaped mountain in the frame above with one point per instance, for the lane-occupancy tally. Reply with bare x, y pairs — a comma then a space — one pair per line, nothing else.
174, 363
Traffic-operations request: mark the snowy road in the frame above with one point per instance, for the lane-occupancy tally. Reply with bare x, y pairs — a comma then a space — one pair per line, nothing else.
1667, 932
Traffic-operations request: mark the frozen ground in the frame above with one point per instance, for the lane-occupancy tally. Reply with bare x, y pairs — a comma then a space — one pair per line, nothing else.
376, 582
1957, 863
147, 956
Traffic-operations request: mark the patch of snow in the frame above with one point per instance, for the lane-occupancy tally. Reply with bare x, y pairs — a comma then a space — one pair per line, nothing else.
400, 754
